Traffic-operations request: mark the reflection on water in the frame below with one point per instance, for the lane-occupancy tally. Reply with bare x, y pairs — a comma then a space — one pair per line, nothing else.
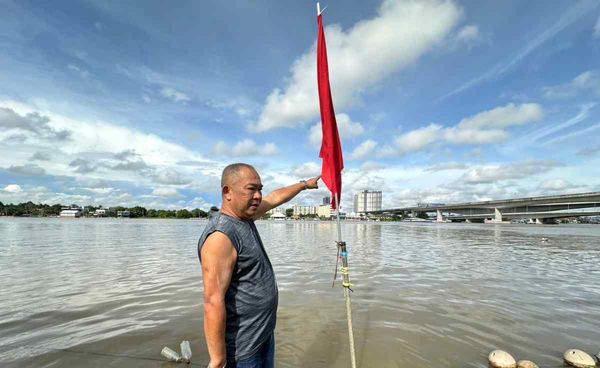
113, 292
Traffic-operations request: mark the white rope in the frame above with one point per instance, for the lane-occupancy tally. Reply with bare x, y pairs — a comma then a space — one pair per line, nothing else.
346, 289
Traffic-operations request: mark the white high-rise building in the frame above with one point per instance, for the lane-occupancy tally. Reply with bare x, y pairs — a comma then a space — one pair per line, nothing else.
304, 210
367, 200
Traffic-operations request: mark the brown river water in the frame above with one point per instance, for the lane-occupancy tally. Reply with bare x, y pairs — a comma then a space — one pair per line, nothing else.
108, 292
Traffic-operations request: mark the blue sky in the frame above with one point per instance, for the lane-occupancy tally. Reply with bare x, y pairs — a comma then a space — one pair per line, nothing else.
144, 102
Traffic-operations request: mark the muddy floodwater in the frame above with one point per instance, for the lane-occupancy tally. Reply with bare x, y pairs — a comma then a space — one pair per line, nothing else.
108, 292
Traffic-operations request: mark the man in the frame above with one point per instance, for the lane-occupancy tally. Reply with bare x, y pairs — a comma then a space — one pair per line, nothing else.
240, 291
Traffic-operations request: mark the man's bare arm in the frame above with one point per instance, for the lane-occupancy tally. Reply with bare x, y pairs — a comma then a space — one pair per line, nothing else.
218, 261
283, 195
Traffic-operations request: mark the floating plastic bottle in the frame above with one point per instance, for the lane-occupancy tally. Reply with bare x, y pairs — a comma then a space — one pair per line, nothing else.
186, 351
170, 354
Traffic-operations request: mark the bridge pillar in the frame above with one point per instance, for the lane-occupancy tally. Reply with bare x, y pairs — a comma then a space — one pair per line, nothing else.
497, 215
440, 217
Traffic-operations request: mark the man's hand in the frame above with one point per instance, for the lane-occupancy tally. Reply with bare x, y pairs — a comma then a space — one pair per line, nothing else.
313, 183
282, 195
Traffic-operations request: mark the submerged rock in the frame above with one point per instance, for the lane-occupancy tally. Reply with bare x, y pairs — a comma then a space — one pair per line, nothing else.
579, 359
501, 359
526, 364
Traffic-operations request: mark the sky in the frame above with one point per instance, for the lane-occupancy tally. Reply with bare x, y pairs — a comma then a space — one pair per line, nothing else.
145, 102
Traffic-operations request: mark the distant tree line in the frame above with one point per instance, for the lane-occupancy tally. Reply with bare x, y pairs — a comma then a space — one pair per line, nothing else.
43, 210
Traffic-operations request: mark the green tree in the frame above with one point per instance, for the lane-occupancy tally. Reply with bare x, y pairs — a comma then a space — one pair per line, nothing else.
183, 214
289, 212
198, 213
137, 211
54, 209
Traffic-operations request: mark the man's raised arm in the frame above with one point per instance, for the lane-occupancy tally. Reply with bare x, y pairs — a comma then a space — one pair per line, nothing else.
283, 195
218, 260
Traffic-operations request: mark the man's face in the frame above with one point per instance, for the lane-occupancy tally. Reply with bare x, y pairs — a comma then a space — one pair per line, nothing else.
245, 193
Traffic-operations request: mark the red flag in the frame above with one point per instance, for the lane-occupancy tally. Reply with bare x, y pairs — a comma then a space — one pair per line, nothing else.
331, 149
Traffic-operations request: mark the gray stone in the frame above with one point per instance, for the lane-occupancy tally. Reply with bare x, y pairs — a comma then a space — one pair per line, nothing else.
526, 364
501, 359
579, 359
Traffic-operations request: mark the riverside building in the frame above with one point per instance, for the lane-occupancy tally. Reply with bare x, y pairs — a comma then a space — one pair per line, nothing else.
304, 210
367, 200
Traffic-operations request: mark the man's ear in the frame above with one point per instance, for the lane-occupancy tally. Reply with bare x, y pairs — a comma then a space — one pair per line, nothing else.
226, 192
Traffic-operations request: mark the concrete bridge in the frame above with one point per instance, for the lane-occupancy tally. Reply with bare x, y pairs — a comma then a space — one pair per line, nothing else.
539, 209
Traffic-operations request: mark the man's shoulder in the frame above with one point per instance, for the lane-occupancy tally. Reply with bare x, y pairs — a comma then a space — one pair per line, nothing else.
217, 239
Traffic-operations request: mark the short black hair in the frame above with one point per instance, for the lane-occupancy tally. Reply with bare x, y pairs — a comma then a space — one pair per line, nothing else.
232, 171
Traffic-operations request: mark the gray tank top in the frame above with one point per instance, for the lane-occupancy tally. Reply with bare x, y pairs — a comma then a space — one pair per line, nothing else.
251, 299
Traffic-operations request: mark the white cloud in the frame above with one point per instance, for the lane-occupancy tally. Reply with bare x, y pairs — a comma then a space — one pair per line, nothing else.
568, 126
418, 138
589, 151
174, 95
101, 190
30, 125
27, 170
503, 117
483, 128
13, 188
597, 29
170, 176
364, 150
446, 166
467, 34
474, 136
101, 150
346, 128
307, 170
166, 192
95, 136
555, 185
588, 81
494, 173
246, 147
199, 202
577, 11
82, 72
360, 57
41, 156
370, 166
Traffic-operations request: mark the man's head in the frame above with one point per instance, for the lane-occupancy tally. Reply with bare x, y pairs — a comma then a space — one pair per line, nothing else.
241, 190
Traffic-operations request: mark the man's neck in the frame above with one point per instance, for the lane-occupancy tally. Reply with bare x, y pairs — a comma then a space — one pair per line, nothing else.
230, 213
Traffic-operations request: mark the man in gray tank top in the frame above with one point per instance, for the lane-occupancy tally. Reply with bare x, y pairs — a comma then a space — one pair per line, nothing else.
240, 290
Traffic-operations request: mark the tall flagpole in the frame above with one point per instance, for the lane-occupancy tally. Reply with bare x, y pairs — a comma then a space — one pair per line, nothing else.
333, 164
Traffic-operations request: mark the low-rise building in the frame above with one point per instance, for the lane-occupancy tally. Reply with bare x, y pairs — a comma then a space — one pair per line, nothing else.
70, 212
324, 211
278, 216
275, 210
